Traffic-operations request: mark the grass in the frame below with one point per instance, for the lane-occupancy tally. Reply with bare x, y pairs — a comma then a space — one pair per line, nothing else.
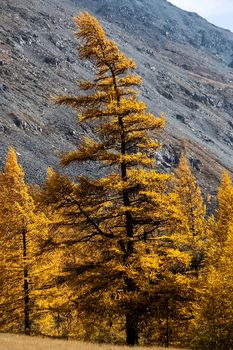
22, 342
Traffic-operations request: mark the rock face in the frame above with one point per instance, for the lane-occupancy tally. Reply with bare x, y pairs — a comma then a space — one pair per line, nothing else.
185, 62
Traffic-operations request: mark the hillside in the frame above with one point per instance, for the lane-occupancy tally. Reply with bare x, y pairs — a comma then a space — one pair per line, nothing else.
186, 65
20, 342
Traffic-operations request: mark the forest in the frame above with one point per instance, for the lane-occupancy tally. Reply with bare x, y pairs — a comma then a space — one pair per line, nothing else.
127, 254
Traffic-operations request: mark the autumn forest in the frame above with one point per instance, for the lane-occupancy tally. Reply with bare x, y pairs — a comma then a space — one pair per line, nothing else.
129, 255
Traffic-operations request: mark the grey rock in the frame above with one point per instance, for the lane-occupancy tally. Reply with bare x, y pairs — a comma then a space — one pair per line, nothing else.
3, 87
196, 163
51, 61
180, 118
186, 64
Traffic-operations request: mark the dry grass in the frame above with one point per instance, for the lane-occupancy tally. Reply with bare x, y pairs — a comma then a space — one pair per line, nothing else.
21, 342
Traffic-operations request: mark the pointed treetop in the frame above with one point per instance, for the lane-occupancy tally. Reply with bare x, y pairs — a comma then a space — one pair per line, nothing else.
226, 179
184, 166
190, 197
94, 45
225, 192
225, 206
12, 168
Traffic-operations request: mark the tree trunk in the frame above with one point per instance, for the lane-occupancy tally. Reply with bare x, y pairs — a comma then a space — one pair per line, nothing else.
131, 329
131, 319
167, 335
26, 287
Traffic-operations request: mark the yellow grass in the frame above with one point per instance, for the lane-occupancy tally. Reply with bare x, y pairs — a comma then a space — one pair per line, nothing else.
22, 342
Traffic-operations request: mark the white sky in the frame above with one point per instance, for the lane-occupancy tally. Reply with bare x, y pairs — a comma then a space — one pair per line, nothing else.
219, 12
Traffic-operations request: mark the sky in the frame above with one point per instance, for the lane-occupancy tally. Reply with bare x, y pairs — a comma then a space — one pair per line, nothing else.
218, 12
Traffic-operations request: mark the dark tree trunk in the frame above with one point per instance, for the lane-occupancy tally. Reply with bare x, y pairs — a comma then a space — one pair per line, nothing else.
26, 287
167, 332
167, 335
131, 329
128, 247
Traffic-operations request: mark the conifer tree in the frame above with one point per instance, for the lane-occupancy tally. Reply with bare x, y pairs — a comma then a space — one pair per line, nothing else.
20, 227
56, 313
125, 224
214, 314
191, 199
224, 209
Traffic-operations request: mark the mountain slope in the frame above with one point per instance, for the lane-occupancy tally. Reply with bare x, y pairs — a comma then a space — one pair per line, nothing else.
185, 63
159, 22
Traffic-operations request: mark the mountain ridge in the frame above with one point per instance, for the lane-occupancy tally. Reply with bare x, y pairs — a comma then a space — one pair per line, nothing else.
162, 17
192, 85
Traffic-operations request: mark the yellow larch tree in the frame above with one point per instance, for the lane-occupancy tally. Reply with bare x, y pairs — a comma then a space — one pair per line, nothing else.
21, 229
193, 210
224, 209
123, 237
214, 314
191, 199
58, 318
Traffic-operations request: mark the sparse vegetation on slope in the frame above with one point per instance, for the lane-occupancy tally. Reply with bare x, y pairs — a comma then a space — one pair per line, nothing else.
192, 86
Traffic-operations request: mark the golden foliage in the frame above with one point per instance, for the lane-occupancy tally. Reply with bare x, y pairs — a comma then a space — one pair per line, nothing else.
123, 255
128, 227
22, 227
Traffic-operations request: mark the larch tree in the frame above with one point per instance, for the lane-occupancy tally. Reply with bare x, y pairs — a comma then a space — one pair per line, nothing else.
56, 314
220, 222
214, 314
20, 227
123, 245
191, 198
192, 208
224, 209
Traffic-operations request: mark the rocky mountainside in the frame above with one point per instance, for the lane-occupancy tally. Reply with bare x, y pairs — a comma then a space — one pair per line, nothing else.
186, 64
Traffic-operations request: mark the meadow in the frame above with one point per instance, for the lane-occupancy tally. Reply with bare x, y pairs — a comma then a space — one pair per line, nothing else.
22, 342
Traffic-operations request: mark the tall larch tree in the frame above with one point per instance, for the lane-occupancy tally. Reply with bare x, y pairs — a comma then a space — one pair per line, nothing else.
20, 228
122, 224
